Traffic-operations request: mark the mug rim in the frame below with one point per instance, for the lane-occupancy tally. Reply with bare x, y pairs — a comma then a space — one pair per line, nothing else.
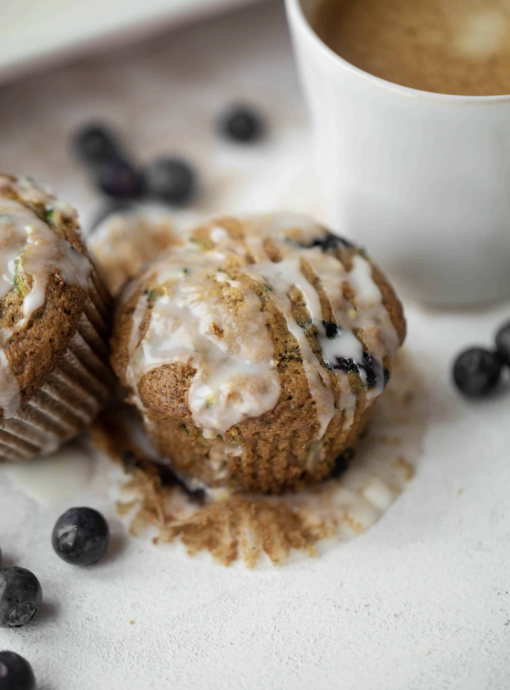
295, 13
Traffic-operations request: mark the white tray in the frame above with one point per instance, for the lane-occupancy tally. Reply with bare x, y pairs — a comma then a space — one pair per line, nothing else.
32, 31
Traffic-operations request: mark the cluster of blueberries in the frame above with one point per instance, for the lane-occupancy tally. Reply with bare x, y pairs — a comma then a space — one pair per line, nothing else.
80, 537
477, 371
166, 179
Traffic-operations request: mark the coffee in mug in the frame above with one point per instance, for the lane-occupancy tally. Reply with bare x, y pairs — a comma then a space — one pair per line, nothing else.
457, 47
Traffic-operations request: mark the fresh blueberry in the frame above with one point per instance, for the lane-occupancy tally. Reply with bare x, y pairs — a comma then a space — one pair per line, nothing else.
15, 672
242, 124
330, 241
503, 343
476, 372
81, 536
119, 179
20, 596
171, 180
95, 144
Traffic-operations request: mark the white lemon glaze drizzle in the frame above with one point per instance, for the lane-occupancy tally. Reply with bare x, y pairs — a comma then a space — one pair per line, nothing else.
379, 333
191, 323
28, 246
235, 375
281, 277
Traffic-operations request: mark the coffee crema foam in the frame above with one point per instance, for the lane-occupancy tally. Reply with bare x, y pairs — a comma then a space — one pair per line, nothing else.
457, 47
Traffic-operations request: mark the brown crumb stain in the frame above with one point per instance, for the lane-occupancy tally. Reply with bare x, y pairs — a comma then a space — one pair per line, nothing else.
408, 397
216, 330
389, 440
131, 622
239, 527
460, 491
406, 466
355, 525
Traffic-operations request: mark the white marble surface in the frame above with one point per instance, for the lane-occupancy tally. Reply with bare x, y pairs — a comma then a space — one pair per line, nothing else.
422, 599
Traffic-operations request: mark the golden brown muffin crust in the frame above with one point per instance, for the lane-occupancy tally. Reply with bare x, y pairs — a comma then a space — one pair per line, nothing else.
34, 351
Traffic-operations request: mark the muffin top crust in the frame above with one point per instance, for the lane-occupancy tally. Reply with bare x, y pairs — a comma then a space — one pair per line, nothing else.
44, 280
202, 315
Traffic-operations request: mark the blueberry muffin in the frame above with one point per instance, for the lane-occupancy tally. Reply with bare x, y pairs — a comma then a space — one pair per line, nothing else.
254, 348
124, 240
54, 311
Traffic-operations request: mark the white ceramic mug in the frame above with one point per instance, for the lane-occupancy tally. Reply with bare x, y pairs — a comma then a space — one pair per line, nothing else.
421, 179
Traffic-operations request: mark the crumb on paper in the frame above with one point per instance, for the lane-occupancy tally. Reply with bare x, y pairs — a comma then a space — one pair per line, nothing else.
403, 464
355, 525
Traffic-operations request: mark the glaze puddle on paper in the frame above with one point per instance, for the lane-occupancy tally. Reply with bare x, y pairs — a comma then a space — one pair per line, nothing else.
53, 479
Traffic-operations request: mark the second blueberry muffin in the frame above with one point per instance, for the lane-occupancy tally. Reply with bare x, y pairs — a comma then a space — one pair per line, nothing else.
54, 324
